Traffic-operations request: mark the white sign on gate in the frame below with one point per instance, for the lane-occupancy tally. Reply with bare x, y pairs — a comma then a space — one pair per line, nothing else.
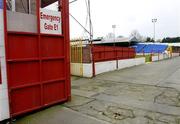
50, 22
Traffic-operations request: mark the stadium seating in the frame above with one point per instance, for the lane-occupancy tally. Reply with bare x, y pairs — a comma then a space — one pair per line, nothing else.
150, 48
139, 47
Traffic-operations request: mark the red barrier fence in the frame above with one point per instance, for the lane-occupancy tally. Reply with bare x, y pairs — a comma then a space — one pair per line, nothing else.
0, 75
107, 53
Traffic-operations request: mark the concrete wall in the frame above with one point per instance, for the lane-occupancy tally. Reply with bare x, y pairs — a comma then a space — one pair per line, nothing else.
140, 61
161, 57
102, 67
79, 69
4, 101
130, 62
175, 54
155, 58
87, 70
107, 66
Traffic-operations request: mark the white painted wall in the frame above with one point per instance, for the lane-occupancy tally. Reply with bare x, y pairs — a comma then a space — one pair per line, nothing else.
140, 61
107, 66
155, 58
87, 70
175, 54
130, 62
161, 56
4, 101
125, 63
102, 67
79, 69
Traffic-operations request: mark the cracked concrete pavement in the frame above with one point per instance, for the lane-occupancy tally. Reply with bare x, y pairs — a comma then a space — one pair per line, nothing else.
145, 94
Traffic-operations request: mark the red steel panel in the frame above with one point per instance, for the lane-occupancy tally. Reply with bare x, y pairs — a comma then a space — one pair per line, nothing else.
108, 53
53, 91
23, 73
53, 69
120, 53
22, 46
25, 99
0, 74
52, 46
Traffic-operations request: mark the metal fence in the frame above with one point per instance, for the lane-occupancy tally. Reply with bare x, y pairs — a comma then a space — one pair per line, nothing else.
108, 53
77, 56
82, 54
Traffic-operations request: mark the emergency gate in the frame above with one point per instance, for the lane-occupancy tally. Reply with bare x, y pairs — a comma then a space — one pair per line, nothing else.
35, 60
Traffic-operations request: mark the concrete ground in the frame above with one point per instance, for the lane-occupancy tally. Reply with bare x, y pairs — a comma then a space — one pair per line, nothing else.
146, 94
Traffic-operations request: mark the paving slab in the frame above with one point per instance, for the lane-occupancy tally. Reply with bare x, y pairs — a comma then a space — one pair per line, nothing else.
123, 114
150, 106
172, 81
146, 94
59, 115
83, 93
78, 101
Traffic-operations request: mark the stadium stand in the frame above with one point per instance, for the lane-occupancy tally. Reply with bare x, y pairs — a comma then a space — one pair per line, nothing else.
150, 48
139, 48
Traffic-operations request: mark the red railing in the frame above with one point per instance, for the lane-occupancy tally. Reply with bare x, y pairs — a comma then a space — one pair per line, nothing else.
0, 75
107, 53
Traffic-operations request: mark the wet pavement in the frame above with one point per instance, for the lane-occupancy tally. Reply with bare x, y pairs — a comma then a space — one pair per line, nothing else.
145, 94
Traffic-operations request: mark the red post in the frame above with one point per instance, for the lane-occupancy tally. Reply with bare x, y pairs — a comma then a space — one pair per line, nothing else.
93, 61
116, 52
0, 73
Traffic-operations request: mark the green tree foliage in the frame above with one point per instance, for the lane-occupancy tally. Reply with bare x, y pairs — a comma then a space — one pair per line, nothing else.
148, 39
171, 40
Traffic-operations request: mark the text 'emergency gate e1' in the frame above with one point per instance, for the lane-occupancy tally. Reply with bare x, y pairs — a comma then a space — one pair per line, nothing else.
37, 53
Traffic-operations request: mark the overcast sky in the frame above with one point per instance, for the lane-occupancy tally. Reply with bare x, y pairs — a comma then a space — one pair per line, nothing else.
128, 15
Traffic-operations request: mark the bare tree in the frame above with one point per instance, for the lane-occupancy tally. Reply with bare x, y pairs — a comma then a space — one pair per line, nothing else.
136, 34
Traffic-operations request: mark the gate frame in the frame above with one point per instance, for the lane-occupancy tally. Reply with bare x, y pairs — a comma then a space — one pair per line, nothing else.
66, 39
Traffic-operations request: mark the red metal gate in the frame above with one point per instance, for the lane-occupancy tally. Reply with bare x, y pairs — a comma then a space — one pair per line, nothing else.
37, 66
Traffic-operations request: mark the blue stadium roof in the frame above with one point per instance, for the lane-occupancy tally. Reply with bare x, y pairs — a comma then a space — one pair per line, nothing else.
150, 48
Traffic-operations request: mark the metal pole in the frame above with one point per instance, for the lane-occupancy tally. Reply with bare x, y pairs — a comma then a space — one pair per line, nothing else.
154, 24
91, 39
72, 1
114, 34
115, 50
79, 23
114, 27
13, 4
29, 6
90, 22
154, 32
